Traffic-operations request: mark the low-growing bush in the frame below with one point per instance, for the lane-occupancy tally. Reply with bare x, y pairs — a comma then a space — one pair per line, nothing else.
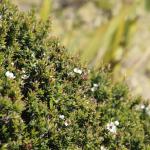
48, 100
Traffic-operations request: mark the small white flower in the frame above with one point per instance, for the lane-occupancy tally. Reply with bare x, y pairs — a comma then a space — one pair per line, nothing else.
111, 127
93, 89
142, 106
103, 148
77, 70
61, 116
9, 75
80, 71
116, 122
66, 123
95, 85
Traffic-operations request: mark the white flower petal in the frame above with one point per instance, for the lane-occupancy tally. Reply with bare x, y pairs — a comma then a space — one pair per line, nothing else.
95, 85
61, 116
111, 127
80, 71
66, 123
9, 75
103, 148
77, 70
93, 89
142, 106
116, 122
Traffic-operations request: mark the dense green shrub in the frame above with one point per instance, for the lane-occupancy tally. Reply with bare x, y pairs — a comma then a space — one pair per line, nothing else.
49, 101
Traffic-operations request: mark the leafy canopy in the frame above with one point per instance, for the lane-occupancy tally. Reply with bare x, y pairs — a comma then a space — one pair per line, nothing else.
48, 100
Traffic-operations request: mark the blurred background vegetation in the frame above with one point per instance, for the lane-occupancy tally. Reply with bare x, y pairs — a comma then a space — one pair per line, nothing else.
115, 32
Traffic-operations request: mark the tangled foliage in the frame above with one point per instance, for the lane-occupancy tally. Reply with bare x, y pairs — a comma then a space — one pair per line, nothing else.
49, 101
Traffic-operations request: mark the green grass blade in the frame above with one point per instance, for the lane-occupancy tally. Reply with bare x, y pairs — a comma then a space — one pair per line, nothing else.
45, 9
